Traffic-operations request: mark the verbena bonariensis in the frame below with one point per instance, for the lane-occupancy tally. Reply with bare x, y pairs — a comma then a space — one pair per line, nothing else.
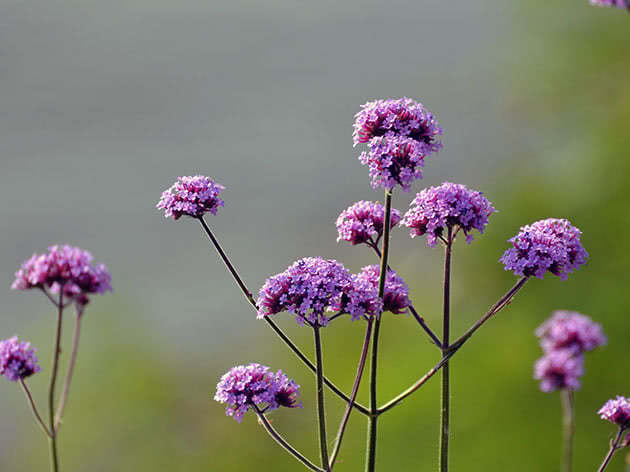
67, 276
400, 134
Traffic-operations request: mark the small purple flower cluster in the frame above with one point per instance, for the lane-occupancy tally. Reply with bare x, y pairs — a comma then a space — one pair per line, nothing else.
245, 386
547, 245
447, 206
616, 411
312, 286
612, 3
64, 268
396, 296
363, 221
191, 195
17, 359
399, 134
565, 337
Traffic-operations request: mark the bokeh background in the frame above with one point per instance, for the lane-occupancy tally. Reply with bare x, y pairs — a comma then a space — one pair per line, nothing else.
104, 104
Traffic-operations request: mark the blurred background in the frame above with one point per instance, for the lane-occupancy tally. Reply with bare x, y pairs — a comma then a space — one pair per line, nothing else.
104, 104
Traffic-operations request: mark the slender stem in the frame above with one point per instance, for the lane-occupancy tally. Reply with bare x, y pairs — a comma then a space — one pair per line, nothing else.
271, 323
31, 402
73, 358
372, 435
568, 409
454, 347
446, 329
54, 461
413, 311
614, 445
321, 410
280, 440
353, 395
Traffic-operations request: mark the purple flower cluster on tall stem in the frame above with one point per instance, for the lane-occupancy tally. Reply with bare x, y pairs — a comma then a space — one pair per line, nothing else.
622, 4
362, 223
616, 411
17, 359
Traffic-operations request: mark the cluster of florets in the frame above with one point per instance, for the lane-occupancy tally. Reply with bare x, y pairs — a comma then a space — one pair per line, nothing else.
311, 287
565, 337
547, 245
17, 359
396, 296
64, 269
243, 387
616, 411
447, 206
399, 134
611, 3
363, 222
193, 196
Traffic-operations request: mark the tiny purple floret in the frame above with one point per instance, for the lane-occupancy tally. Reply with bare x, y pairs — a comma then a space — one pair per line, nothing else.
363, 222
616, 411
17, 359
192, 196
559, 369
570, 330
396, 296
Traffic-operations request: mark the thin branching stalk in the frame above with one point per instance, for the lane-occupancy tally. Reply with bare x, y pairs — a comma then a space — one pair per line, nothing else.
568, 410
54, 460
446, 328
31, 403
73, 359
614, 445
321, 410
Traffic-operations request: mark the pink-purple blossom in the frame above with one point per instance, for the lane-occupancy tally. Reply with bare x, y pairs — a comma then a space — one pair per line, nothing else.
399, 135
449, 205
311, 287
64, 268
570, 330
611, 3
246, 386
616, 411
193, 196
547, 245
17, 359
363, 222
559, 369
396, 296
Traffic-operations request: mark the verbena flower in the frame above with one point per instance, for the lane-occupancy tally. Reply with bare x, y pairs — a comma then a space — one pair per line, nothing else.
616, 411
547, 245
399, 135
311, 287
17, 359
244, 386
396, 296
611, 3
363, 222
559, 369
449, 205
570, 330
193, 196
64, 267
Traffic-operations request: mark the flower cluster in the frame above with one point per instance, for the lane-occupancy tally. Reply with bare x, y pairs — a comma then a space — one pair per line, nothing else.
399, 135
396, 296
616, 411
64, 268
191, 195
611, 3
363, 222
547, 245
245, 386
447, 206
17, 359
312, 286
565, 337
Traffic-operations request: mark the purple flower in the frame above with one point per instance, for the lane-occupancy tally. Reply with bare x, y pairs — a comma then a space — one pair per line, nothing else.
448, 205
245, 386
616, 411
399, 135
363, 222
191, 195
396, 296
64, 267
559, 369
547, 245
611, 3
17, 360
312, 286
570, 330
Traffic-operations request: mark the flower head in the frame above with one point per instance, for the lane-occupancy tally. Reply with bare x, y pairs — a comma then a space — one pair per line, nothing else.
616, 411
399, 135
396, 296
64, 268
547, 245
191, 195
611, 3
448, 205
312, 286
17, 360
559, 369
570, 330
245, 386
363, 222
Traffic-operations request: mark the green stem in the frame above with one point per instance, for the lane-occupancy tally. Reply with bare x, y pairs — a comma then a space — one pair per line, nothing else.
446, 394
54, 460
614, 445
69, 374
31, 403
568, 409
321, 410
